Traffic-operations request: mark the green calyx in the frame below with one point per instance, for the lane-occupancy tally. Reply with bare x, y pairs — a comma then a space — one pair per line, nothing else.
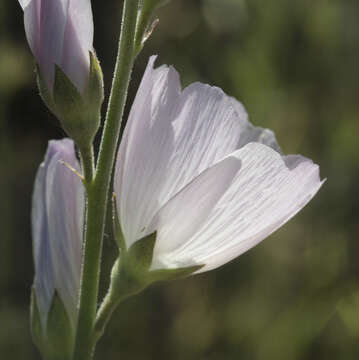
79, 114
56, 341
131, 272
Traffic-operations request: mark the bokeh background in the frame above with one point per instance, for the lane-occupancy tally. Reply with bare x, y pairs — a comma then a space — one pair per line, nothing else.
294, 64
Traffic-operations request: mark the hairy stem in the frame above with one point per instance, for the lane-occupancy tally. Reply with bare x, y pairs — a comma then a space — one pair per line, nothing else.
87, 163
97, 191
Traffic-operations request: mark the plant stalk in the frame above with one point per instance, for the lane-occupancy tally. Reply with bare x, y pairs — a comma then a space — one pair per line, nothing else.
97, 191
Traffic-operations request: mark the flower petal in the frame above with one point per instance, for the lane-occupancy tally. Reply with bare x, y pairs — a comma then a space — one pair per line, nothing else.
44, 272
53, 19
78, 39
144, 151
57, 221
182, 216
263, 196
24, 3
250, 133
32, 23
170, 138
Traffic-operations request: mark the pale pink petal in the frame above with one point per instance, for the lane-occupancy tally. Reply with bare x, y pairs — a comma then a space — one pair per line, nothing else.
57, 222
32, 24
53, 20
170, 138
145, 150
182, 216
264, 195
250, 133
78, 39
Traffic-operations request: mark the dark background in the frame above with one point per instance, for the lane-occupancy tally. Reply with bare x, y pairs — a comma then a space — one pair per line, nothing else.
294, 64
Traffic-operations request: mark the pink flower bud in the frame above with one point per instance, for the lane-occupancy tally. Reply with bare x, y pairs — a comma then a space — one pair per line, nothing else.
57, 227
60, 32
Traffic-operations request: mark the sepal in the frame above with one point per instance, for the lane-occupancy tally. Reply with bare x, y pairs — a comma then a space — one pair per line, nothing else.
120, 240
78, 117
132, 271
45, 93
174, 274
56, 341
79, 114
95, 90
37, 330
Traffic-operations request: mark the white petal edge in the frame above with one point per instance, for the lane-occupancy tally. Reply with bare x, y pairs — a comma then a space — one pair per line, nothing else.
251, 133
264, 195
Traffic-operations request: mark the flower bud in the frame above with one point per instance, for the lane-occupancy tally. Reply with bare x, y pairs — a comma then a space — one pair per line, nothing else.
57, 227
60, 35
60, 32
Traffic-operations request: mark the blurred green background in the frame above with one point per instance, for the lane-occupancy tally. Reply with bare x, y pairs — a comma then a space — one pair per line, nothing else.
294, 64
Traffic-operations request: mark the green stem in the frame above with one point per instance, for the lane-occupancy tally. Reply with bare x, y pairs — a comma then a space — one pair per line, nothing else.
108, 306
88, 163
123, 285
97, 191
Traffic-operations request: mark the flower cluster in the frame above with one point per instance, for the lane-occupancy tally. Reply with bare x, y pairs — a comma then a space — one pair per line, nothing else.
196, 183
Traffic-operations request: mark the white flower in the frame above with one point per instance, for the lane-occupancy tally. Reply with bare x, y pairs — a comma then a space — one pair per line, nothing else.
57, 229
192, 168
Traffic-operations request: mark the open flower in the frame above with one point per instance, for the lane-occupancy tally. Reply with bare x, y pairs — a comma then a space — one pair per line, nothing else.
60, 32
57, 226
193, 169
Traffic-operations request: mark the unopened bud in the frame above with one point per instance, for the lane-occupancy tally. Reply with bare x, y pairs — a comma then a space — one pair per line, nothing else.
57, 231
60, 35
